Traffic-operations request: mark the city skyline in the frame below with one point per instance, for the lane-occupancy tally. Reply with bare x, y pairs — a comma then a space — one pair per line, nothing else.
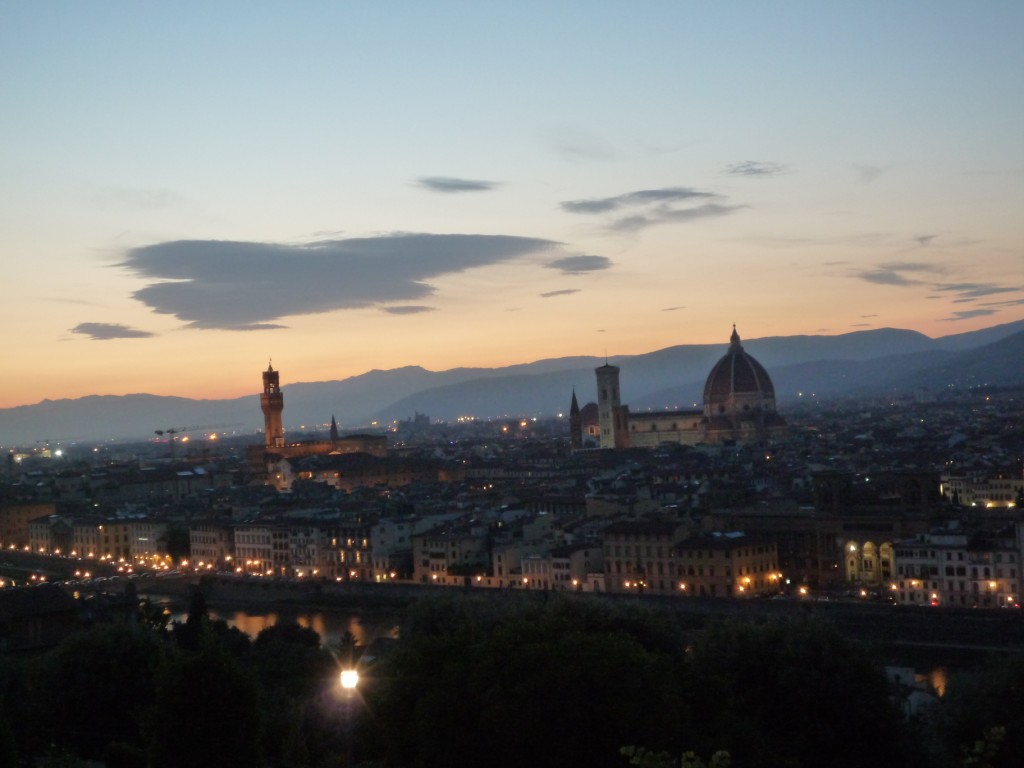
188, 192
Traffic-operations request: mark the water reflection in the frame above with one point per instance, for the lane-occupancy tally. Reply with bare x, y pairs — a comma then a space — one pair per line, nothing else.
937, 679
330, 626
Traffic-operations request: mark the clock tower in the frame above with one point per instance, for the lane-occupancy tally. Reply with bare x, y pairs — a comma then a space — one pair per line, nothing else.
272, 403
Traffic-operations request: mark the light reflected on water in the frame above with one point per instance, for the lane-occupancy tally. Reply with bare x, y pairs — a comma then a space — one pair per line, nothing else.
329, 626
937, 679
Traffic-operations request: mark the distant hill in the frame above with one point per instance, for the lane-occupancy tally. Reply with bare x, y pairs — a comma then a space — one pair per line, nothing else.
864, 362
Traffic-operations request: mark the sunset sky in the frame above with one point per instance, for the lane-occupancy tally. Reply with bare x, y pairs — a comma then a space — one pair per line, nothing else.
189, 189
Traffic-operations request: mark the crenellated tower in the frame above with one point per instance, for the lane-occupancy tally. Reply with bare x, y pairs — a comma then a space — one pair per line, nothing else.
272, 403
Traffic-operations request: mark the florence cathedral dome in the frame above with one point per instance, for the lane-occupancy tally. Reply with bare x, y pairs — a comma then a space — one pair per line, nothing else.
739, 398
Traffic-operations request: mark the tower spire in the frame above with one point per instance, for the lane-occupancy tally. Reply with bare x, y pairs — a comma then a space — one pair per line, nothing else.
575, 423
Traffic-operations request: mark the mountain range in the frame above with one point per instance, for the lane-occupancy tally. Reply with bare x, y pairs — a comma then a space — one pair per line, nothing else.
872, 362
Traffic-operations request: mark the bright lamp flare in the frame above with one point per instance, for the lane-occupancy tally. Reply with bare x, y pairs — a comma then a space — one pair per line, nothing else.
349, 679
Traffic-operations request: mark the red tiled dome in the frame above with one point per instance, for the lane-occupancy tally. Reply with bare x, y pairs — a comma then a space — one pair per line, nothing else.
737, 373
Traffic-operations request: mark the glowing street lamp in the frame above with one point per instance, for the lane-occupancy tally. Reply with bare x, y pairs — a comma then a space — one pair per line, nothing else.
349, 679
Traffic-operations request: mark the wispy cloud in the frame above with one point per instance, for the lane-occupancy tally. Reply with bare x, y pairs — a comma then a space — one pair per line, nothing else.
1009, 303
972, 291
672, 309
968, 313
108, 331
861, 325
691, 214
648, 207
910, 266
885, 277
451, 184
407, 309
248, 285
640, 197
896, 273
565, 292
574, 265
754, 168
925, 240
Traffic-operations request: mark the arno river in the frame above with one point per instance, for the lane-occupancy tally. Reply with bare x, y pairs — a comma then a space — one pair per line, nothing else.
329, 625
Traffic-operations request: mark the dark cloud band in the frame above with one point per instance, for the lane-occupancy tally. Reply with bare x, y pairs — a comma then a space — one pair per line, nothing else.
244, 285
640, 197
107, 331
574, 265
450, 184
754, 168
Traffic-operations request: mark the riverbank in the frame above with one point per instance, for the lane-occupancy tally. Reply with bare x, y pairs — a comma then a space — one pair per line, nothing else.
893, 630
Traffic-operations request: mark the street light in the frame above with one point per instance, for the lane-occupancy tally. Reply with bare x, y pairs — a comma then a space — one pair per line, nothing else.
349, 680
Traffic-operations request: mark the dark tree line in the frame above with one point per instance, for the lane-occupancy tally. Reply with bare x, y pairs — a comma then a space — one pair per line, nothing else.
136, 695
474, 681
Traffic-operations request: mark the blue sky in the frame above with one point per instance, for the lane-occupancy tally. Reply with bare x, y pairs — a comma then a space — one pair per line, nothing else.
188, 189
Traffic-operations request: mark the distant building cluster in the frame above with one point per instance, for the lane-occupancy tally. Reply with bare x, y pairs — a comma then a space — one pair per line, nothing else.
739, 406
909, 502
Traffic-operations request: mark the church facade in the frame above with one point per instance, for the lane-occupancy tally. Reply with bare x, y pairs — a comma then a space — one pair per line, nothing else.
739, 407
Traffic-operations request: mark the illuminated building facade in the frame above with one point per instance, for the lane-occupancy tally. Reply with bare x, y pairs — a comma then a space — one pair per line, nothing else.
959, 570
984, 489
727, 565
639, 556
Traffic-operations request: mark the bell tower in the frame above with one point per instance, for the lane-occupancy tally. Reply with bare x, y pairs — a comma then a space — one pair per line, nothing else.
612, 415
272, 403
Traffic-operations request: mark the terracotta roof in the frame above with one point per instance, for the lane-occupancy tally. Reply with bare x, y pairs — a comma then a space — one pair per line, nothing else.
737, 372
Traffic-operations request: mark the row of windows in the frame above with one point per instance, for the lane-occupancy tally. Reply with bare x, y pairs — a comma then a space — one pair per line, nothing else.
619, 567
963, 599
976, 587
673, 428
981, 557
658, 552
